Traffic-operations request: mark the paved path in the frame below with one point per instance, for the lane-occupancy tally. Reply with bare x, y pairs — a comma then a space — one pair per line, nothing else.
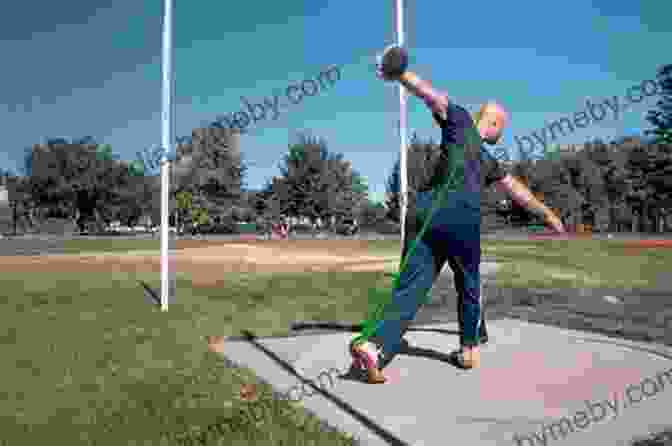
552, 354
532, 376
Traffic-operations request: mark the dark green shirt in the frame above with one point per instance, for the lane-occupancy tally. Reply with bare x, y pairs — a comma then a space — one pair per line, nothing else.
462, 156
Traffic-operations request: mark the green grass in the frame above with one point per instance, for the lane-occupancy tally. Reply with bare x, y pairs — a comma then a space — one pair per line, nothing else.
79, 246
577, 264
87, 361
384, 247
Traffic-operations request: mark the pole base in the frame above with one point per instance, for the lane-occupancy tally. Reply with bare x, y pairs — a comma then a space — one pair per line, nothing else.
153, 297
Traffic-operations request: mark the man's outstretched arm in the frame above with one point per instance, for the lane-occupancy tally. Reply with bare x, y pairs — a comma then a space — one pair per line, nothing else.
523, 196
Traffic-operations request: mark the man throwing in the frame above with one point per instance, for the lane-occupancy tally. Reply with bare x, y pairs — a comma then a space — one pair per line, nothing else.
453, 232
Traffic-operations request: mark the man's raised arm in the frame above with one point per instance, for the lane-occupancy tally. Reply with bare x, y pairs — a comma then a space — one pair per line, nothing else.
436, 101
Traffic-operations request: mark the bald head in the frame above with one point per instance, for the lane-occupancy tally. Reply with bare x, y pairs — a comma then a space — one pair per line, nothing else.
492, 119
492, 107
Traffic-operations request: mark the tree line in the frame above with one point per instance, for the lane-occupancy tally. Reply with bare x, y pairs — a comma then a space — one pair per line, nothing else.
86, 182
620, 185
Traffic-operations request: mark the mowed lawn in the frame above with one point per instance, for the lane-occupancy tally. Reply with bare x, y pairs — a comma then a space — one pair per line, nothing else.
83, 246
87, 361
580, 263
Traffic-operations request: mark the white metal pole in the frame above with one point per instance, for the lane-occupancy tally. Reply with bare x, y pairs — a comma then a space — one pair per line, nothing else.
403, 195
166, 144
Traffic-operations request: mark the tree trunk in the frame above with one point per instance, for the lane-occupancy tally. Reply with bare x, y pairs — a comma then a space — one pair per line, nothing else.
14, 216
612, 217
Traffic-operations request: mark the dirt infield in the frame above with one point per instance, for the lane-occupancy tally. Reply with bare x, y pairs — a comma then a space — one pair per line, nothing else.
205, 261
341, 246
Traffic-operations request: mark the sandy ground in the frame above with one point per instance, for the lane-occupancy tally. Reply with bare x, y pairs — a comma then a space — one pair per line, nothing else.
205, 261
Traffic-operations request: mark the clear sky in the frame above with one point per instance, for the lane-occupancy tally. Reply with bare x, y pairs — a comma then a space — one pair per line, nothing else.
73, 69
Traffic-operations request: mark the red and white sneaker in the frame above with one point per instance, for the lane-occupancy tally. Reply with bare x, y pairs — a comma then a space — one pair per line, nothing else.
367, 356
468, 357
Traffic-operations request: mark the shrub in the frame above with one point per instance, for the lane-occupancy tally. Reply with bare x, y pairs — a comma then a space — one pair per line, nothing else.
226, 225
302, 228
387, 227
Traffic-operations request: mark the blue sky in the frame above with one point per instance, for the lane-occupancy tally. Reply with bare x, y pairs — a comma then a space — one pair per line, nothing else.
93, 68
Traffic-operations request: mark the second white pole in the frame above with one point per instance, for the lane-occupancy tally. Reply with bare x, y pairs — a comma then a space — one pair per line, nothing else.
166, 140
403, 178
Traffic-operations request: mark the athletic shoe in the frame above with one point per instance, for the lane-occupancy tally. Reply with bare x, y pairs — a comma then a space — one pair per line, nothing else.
468, 357
367, 356
216, 344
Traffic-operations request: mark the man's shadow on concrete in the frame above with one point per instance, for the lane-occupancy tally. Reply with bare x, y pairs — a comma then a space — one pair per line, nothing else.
406, 348
355, 374
387, 436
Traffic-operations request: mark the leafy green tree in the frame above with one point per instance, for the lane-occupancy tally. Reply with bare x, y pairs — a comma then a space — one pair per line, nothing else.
260, 201
649, 168
184, 205
421, 159
316, 183
18, 199
72, 179
661, 118
199, 216
105, 152
659, 190
210, 166
659, 181
610, 161
372, 214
